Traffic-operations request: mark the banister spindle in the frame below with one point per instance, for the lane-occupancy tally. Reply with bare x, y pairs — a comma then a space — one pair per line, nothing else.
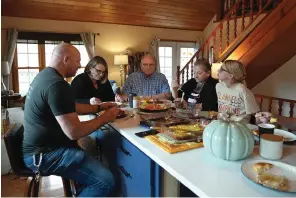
235, 20
183, 76
221, 38
191, 68
178, 75
214, 48
243, 15
227, 33
291, 109
187, 72
280, 107
269, 105
260, 102
260, 5
251, 6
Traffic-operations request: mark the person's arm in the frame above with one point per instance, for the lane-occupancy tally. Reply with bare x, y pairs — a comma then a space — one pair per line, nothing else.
164, 90
75, 129
187, 88
63, 109
250, 102
128, 85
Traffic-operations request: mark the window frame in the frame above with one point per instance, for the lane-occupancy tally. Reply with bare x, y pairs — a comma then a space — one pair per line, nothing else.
40, 38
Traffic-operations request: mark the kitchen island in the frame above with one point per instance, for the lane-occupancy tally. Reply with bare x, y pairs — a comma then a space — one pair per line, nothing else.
197, 169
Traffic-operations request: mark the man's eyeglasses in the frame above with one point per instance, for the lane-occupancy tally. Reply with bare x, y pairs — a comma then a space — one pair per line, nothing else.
148, 65
100, 72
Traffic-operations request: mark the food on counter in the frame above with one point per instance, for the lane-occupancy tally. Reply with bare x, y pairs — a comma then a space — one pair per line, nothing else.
120, 114
212, 114
262, 167
153, 106
189, 127
278, 182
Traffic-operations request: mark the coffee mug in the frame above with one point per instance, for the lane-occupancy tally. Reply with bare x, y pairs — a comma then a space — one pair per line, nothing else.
266, 128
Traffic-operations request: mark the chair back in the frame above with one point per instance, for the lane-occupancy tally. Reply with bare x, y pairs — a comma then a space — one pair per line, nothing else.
13, 143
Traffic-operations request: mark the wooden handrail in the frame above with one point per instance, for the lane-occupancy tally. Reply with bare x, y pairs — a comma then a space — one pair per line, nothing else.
281, 101
231, 15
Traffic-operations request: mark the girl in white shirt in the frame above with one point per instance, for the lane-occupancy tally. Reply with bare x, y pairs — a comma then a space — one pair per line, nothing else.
234, 97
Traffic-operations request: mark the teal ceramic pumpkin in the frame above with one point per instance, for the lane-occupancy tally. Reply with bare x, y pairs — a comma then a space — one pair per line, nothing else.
228, 140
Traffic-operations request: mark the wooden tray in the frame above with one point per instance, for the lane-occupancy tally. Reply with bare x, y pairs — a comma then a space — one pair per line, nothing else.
173, 148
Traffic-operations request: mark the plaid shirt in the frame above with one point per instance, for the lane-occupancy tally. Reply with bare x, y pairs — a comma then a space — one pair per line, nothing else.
139, 84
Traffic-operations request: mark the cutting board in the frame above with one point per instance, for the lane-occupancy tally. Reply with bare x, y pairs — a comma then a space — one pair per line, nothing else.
171, 147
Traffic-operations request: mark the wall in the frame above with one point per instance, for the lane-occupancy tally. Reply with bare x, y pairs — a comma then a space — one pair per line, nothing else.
114, 38
281, 83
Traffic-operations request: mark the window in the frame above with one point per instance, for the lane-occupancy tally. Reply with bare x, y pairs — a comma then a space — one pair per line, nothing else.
28, 63
186, 54
33, 53
83, 54
165, 62
173, 54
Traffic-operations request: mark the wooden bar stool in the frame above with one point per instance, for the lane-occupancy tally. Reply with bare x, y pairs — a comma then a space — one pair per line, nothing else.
13, 143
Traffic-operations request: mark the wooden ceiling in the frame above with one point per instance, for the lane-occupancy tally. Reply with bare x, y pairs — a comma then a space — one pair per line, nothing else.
176, 14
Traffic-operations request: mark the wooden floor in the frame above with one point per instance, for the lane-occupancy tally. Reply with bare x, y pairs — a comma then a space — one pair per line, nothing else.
15, 187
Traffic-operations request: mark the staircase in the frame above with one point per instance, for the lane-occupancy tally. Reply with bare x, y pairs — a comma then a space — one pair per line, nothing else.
252, 36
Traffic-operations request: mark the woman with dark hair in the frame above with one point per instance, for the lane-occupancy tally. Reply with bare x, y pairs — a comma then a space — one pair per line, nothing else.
93, 86
203, 85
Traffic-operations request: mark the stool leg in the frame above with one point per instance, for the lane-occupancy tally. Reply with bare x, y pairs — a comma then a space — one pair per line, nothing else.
67, 187
29, 186
36, 184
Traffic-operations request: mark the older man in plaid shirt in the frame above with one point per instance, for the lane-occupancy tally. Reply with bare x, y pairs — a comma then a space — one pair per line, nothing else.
147, 82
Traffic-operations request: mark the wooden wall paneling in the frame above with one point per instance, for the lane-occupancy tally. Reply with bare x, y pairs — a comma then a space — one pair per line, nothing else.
177, 14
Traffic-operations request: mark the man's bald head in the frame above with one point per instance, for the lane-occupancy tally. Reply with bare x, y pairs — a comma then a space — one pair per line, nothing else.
64, 49
66, 59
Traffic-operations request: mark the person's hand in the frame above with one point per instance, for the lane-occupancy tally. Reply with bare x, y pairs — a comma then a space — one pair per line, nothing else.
107, 105
95, 101
121, 98
110, 114
184, 104
263, 117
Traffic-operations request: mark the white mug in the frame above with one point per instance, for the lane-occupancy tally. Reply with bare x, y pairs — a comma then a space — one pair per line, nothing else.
271, 146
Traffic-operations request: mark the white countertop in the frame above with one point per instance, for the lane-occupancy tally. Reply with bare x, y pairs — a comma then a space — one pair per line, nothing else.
200, 171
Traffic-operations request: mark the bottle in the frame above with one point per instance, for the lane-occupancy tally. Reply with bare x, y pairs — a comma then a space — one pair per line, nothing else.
192, 100
130, 99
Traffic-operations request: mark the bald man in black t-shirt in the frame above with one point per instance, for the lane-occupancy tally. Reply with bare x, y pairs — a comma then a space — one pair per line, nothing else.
51, 127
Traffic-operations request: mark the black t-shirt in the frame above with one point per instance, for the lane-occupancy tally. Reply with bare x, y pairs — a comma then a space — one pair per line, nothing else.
49, 95
208, 95
84, 90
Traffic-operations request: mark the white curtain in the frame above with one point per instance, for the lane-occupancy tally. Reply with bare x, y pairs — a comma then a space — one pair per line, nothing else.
9, 50
154, 50
89, 43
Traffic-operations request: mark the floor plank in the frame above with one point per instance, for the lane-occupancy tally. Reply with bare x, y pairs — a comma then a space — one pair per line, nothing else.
51, 186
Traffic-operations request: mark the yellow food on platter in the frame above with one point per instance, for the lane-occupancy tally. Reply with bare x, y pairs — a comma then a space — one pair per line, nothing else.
186, 128
262, 167
153, 106
273, 181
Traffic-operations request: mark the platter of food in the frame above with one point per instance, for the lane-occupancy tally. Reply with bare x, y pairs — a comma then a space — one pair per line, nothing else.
271, 174
153, 107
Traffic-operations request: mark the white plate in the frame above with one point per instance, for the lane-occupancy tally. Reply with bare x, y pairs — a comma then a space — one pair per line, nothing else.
289, 137
279, 168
